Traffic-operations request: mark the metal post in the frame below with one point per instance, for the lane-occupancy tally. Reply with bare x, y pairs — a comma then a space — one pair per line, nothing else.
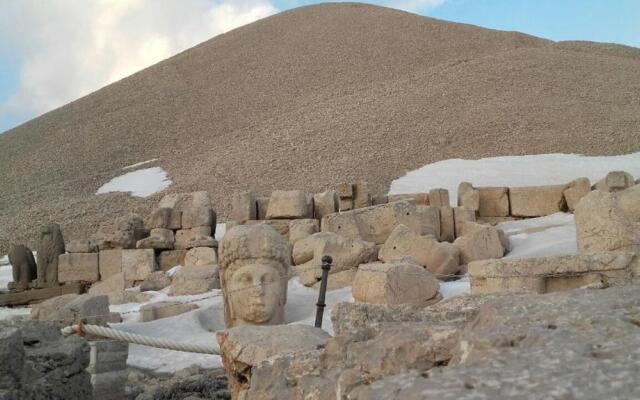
326, 266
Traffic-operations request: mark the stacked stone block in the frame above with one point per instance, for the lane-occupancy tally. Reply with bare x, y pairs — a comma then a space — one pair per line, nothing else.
108, 368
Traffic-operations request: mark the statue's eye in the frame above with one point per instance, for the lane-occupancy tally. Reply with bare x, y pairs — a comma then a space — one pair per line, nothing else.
269, 278
245, 278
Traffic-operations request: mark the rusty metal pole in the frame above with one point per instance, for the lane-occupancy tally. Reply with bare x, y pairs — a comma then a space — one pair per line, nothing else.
326, 266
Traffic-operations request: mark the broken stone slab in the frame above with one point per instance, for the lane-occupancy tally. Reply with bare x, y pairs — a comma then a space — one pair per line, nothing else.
81, 246
493, 221
339, 280
289, 204
302, 228
609, 221
244, 207
373, 224
195, 237
168, 259
138, 264
442, 259
155, 281
537, 201
479, 242
199, 256
78, 267
361, 195
159, 239
165, 218
195, 280
494, 202
107, 355
193, 217
325, 203
447, 224
429, 222
244, 347
549, 274
164, 309
114, 283
395, 283
439, 197
615, 181
575, 191
346, 253
73, 308
468, 196
460, 216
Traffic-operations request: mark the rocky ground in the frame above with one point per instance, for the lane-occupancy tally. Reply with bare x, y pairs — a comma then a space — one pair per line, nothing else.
311, 97
188, 384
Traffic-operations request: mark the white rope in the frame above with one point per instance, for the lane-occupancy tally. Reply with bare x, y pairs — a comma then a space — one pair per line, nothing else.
139, 339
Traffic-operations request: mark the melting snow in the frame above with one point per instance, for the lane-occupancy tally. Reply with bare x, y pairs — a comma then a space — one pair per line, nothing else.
140, 163
140, 183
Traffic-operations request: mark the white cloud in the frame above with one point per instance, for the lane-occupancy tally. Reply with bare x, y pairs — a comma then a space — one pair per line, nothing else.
70, 48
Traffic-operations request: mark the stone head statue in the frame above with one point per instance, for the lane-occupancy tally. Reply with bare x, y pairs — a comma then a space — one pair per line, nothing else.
254, 267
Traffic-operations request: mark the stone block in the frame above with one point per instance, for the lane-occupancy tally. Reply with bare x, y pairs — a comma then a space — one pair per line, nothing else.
339, 280
73, 308
262, 204
460, 216
374, 224
110, 262
195, 280
165, 218
81, 246
447, 224
155, 281
302, 228
379, 199
193, 217
401, 197
195, 237
442, 259
164, 309
138, 264
394, 283
345, 190
170, 258
325, 203
160, 239
361, 195
109, 385
289, 204
244, 207
78, 267
537, 201
494, 202
180, 201
468, 196
575, 191
114, 283
479, 242
615, 181
439, 198
345, 204
106, 355
199, 256
428, 220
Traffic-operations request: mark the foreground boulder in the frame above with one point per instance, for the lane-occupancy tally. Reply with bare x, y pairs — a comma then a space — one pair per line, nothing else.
609, 221
395, 283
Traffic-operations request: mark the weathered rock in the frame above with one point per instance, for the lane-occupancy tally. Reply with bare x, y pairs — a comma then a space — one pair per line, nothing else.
165, 218
479, 242
193, 217
339, 280
113, 284
164, 309
460, 216
575, 191
180, 201
160, 239
244, 347
23, 267
109, 262
199, 256
361, 195
155, 281
280, 225
195, 280
107, 365
170, 258
447, 224
302, 228
289, 204
379, 199
128, 296
537, 201
609, 221
346, 253
441, 259
50, 247
374, 224
394, 283
244, 207
468, 197
81, 246
78, 267
615, 181
73, 308
114, 239
429, 222
439, 198
325, 203
494, 202
550, 274
195, 237
138, 264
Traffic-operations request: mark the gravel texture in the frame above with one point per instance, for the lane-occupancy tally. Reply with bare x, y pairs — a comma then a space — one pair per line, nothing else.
312, 97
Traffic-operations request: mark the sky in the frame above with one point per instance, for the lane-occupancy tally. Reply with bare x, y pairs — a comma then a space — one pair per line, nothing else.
55, 51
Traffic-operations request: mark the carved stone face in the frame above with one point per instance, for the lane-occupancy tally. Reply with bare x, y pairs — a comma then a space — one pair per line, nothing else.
256, 292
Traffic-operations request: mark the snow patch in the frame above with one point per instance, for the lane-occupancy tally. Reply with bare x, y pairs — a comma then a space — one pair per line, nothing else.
513, 171
140, 163
140, 183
